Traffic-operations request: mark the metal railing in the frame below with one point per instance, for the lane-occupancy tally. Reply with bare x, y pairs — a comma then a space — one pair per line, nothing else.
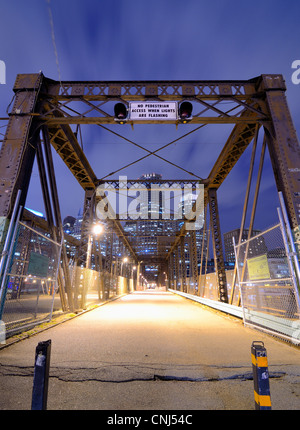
30, 279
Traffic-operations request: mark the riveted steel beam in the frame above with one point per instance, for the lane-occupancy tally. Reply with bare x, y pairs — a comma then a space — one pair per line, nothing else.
111, 120
193, 259
284, 148
19, 145
217, 245
144, 90
182, 264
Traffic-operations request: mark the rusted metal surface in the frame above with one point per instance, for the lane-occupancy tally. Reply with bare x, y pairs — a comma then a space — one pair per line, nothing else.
18, 148
183, 264
284, 148
217, 245
193, 260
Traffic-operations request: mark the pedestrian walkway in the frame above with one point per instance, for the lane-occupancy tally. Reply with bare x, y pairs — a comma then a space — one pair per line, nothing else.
150, 350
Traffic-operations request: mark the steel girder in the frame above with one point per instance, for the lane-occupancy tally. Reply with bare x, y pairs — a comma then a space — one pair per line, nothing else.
217, 245
284, 148
193, 259
183, 264
177, 268
42, 101
20, 141
208, 96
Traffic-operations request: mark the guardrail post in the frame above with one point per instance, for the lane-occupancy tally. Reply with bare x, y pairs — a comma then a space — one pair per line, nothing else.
260, 376
41, 376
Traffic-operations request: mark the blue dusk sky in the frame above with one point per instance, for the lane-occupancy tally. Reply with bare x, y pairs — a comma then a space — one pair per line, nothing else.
154, 40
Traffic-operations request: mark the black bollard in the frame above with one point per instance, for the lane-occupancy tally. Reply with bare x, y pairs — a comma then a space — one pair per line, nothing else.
41, 376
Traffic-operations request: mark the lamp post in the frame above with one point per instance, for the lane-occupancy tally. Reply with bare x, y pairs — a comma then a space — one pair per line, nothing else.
95, 230
138, 274
133, 269
125, 260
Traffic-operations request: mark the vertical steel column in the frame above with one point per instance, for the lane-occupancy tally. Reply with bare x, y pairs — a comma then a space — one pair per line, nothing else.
206, 259
217, 245
284, 148
183, 265
108, 261
57, 215
19, 146
193, 260
244, 210
10, 252
138, 275
252, 217
200, 279
169, 262
49, 217
171, 271
176, 259
86, 225
10, 231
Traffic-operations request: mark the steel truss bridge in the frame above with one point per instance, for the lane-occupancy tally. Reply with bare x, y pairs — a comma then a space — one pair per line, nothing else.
41, 116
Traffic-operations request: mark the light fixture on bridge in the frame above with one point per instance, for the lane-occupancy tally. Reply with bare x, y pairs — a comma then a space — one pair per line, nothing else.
185, 112
98, 229
120, 113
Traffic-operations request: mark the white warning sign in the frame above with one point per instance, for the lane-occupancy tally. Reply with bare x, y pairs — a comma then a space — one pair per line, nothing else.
153, 110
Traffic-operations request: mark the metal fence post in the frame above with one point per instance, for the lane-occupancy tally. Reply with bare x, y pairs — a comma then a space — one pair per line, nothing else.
3, 287
260, 376
41, 376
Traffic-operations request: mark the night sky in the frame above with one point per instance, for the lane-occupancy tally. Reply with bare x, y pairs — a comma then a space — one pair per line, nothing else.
155, 40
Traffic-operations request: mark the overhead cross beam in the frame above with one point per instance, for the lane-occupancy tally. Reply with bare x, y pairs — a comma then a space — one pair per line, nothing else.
210, 98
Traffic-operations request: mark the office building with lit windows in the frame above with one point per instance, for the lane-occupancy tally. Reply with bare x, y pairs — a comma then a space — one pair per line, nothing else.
257, 247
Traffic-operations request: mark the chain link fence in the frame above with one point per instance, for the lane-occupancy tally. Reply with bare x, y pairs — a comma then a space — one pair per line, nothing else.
269, 295
91, 286
31, 279
29, 289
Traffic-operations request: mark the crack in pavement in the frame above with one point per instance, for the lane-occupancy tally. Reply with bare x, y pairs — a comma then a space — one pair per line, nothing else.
122, 373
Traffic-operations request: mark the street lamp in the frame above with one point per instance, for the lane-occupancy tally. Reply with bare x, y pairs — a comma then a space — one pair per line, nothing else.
95, 230
98, 229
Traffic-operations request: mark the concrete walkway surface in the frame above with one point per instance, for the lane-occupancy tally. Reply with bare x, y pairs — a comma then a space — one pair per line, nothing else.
150, 351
